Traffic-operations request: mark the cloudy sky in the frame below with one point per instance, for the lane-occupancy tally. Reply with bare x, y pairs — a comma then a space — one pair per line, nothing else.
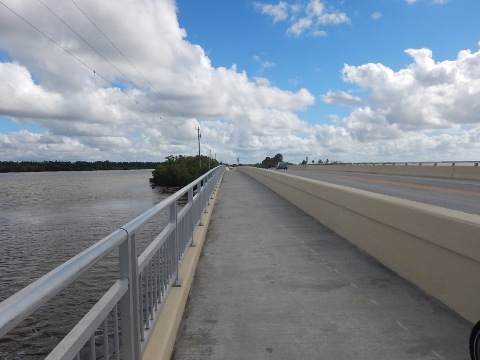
347, 80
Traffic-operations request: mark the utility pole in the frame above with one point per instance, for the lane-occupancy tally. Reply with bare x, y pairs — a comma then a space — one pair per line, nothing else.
209, 159
199, 135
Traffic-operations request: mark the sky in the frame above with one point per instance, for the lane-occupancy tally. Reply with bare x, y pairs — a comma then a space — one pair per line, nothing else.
346, 80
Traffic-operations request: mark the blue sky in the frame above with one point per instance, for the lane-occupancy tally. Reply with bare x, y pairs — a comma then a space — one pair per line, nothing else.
371, 80
237, 32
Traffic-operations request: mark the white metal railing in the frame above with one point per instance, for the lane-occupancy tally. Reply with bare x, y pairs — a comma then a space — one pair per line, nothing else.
119, 324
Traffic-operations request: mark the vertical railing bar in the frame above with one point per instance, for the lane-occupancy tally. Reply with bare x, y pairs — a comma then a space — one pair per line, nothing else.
141, 306
115, 332
160, 275
147, 296
209, 183
172, 261
168, 260
145, 301
151, 269
127, 302
181, 240
190, 203
157, 278
92, 347
105, 339
165, 267
162, 271
136, 299
174, 222
184, 233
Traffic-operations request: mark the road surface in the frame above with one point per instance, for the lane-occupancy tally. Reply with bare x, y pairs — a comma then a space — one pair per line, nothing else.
461, 195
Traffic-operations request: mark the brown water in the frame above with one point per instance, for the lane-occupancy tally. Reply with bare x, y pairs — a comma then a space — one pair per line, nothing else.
47, 218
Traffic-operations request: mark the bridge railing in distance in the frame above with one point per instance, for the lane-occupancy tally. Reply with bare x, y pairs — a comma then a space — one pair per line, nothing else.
118, 325
411, 163
464, 170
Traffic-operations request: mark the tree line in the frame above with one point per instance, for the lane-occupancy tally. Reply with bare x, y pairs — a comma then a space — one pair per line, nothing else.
269, 162
179, 171
34, 166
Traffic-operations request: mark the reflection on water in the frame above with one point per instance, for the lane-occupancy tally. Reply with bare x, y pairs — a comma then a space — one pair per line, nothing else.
47, 218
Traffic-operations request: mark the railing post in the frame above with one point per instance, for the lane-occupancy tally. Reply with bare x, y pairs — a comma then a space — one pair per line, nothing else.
199, 202
176, 251
191, 216
206, 196
130, 317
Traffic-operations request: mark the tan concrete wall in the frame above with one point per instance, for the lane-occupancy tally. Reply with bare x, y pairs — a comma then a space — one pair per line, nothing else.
435, 248
446, 172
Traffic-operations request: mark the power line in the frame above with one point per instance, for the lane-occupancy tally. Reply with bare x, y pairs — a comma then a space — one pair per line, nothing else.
78, 59
111, 42
86, 42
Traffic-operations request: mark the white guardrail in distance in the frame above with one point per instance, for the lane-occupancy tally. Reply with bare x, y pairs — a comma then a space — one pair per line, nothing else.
415, 163
465, 170
128, 311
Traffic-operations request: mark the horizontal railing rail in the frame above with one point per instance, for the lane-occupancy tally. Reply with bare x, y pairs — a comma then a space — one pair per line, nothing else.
419, 163
128, 310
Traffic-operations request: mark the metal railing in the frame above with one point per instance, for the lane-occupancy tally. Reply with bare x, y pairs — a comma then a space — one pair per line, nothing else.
119, 324
419, 163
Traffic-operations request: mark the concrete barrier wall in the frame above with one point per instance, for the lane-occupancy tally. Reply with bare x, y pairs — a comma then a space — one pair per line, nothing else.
435, 248
445, 172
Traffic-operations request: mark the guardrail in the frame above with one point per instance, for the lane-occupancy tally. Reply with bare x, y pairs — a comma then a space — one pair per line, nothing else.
120, 322
447, 170
419, 163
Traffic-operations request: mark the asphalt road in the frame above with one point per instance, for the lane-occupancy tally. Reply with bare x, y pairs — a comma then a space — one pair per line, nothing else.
461, 195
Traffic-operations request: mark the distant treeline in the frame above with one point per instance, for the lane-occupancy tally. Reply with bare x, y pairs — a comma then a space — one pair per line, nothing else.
181, 170
33, 166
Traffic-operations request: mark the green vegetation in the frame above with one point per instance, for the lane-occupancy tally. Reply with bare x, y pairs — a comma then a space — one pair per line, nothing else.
271, 162
181, 170
33, 166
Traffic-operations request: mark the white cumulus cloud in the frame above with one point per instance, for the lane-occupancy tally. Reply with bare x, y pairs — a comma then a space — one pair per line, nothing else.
141, 100
341, 98
426, 95
304, 18
81, 107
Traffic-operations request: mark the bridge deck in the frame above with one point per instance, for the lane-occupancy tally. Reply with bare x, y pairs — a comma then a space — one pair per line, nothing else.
273, 283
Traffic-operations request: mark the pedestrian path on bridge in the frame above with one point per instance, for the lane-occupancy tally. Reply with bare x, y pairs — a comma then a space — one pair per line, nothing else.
273, 283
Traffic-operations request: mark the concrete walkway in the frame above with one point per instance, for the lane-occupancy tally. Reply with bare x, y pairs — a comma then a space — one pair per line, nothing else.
273, 283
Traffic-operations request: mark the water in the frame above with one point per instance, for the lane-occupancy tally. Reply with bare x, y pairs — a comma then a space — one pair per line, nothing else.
47, 218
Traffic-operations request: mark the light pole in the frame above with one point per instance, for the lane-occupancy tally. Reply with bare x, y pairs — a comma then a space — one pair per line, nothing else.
199, 135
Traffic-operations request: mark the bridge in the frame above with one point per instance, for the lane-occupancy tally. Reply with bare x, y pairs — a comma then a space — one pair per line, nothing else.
322, 271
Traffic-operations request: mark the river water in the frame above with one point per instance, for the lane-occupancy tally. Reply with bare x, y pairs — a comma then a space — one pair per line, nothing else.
45, 219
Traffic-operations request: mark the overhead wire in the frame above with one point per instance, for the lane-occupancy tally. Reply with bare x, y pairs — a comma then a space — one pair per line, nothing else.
86, 42
111, 42
77, 58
